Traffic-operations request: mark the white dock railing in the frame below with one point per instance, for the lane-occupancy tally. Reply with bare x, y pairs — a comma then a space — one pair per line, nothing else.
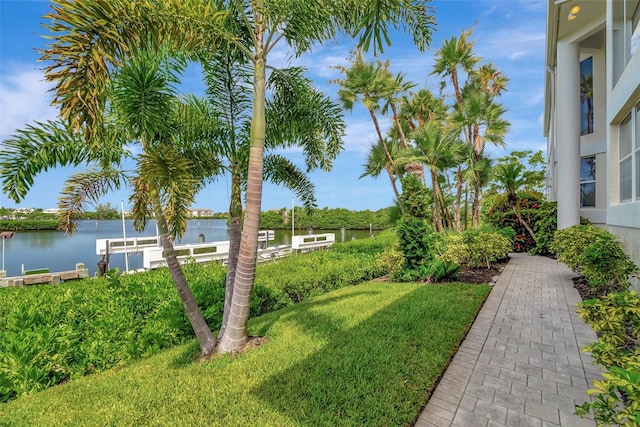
133, 245
199, 252
312, 241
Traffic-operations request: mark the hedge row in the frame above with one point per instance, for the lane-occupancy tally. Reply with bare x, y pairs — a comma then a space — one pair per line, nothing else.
49, 334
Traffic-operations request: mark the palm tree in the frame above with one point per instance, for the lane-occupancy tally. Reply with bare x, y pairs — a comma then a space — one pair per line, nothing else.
422, 107
480, 115
456, 55
511, 177
377, 161
439, 151
142, 109
297, 114
91, 38
368, 83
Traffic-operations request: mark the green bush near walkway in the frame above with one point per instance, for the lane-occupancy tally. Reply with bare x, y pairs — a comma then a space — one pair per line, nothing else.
361, 355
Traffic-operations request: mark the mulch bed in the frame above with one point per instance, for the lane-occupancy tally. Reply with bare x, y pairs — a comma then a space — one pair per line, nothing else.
481, 275
583, 287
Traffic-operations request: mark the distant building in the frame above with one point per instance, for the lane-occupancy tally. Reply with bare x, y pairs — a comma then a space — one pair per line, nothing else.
51, 210
200, 212
592, 115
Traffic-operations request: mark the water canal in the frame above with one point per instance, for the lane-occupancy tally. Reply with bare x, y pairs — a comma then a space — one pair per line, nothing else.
58, 251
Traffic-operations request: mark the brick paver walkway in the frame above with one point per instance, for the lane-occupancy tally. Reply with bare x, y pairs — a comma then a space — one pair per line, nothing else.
521, 364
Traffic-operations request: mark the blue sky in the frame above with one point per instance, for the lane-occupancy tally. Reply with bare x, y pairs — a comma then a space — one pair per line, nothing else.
508, 33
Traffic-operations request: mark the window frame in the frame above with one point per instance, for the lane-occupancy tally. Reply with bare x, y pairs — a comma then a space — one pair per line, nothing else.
590, 182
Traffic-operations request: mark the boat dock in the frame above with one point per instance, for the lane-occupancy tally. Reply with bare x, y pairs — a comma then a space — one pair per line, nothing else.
153, 256
44, 278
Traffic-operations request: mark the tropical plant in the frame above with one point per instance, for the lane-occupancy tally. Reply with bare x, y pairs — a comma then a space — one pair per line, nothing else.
90, 39
297, 114
439, 151
368, 82
476, 115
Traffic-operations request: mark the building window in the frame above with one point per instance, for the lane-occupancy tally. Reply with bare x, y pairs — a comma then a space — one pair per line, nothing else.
626, 18
637, 143
586, 96
588, 182
629, 148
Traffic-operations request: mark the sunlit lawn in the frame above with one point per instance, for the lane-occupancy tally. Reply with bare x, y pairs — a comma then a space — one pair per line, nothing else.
362, 355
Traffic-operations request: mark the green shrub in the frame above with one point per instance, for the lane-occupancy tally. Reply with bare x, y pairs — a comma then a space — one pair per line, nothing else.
569, 243
416, 240
544, 226
391, 261
606, 266
475, 248
616, 320
373, 246
435, 270
597, 255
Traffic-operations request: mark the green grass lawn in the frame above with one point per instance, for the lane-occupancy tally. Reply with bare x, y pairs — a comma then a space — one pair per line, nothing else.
361, 355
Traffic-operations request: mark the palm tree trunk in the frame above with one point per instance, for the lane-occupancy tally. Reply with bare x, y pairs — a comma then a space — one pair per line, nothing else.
235, 231
203, 333
437, 218
458, 200
235, 334
475, 207
415, 168
523, 222
392, 162
392, 178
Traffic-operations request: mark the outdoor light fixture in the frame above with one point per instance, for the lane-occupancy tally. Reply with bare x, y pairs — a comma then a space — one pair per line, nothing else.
573, 12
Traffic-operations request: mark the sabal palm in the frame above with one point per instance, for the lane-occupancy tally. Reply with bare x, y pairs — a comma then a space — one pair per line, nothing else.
480, 114
422, 107
92, 37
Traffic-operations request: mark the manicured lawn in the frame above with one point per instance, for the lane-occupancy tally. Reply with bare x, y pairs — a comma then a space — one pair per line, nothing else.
361, 355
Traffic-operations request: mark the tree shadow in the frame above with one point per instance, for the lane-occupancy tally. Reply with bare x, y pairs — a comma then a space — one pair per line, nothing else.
261, 325
375, 373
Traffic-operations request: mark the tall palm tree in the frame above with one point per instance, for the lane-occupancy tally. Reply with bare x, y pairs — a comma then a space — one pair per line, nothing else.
395, 92
438, 151
455, 56
297, 114
484, 118
367, 82
91, 38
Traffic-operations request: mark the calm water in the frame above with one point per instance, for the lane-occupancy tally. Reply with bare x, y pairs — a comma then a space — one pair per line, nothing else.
59, 252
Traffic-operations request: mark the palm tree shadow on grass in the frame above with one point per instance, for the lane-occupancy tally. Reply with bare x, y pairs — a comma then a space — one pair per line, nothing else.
376, 373
191, 351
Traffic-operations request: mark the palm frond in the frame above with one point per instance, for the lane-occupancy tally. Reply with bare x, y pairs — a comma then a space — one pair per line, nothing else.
298, 114
167, 172
83, 188
45, 145
281, 171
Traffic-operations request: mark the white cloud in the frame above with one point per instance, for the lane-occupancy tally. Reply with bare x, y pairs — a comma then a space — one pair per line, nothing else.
25, 99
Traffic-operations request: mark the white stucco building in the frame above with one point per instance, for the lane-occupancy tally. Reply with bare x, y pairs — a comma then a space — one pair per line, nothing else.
592, 114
